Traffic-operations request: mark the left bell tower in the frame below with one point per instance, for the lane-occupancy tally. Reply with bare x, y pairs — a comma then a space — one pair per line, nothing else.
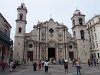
20, 33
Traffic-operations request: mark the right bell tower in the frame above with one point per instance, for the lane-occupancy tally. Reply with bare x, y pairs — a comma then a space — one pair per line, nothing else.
81, 36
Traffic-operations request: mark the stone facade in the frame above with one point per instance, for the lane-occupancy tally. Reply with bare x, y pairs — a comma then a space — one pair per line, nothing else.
5, 41
50, 39
93, 27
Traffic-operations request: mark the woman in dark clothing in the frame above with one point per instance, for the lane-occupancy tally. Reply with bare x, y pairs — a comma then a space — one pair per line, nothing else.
39, 65
3, 65
66, 66
14, 66
89, 62
34, 66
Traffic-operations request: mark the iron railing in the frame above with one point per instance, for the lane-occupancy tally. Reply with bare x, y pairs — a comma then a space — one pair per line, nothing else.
5, 38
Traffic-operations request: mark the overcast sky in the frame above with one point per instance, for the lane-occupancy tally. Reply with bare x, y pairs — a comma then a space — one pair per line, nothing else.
61, 11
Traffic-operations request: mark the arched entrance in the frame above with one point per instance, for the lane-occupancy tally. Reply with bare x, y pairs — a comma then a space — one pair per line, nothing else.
71, 55
51, 53
30, 55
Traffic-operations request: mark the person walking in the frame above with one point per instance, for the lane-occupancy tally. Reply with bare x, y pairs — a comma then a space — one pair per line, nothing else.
94, 60
11, 66
14, 65
39, 64
73, 62
3, 65
66, 66
42, 63
34, 66
97, 61
46, 66
78, 67
54, 61
89, 62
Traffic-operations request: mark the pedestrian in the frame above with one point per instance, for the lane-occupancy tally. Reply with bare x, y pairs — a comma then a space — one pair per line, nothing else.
14, 65
89, 62
34, 66
94, 60
11, 66
66, 66
39, 64
42, 63
54, 61
97, 61
73, 62
78, 67
3, 65
46, 66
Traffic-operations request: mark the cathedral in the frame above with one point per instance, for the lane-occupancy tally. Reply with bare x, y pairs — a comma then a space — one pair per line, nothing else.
51, 39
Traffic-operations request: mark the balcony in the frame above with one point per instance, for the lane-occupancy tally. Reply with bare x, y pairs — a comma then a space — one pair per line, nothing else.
5, 38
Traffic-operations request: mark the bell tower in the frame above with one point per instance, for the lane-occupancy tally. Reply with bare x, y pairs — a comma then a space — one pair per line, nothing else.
20, 32
81, 35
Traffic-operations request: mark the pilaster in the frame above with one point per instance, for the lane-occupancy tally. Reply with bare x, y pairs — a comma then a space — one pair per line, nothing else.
57, 56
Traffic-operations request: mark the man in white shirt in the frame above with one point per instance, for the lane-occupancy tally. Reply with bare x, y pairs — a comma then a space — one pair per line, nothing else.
46, 66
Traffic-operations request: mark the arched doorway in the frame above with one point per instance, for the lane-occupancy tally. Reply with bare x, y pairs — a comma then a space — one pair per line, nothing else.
71, 55
51, 53
30, 55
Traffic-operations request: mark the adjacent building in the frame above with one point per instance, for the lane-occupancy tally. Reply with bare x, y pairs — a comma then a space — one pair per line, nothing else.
5, 41
93, 28
51, 39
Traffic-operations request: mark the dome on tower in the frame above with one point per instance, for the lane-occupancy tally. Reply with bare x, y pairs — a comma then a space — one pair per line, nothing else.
22, 6
77, 12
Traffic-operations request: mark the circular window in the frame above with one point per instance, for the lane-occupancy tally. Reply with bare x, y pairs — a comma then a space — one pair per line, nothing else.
70, 46
30, 45
18, 43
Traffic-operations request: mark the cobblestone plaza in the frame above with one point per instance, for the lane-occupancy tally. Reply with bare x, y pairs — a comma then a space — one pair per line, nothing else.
53, 70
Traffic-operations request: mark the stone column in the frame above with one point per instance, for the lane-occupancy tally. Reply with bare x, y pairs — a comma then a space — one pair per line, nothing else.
57, 56
64, 50
40, 52
46, 34
37, 52
67, 52
46, 52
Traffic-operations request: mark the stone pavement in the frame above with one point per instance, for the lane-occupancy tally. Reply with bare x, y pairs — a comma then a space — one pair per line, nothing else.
7, 71
55, 70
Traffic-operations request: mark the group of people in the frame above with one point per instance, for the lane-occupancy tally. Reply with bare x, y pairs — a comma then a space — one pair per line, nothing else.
40, 64
45, 64
75, 63
11, 64
92, 62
